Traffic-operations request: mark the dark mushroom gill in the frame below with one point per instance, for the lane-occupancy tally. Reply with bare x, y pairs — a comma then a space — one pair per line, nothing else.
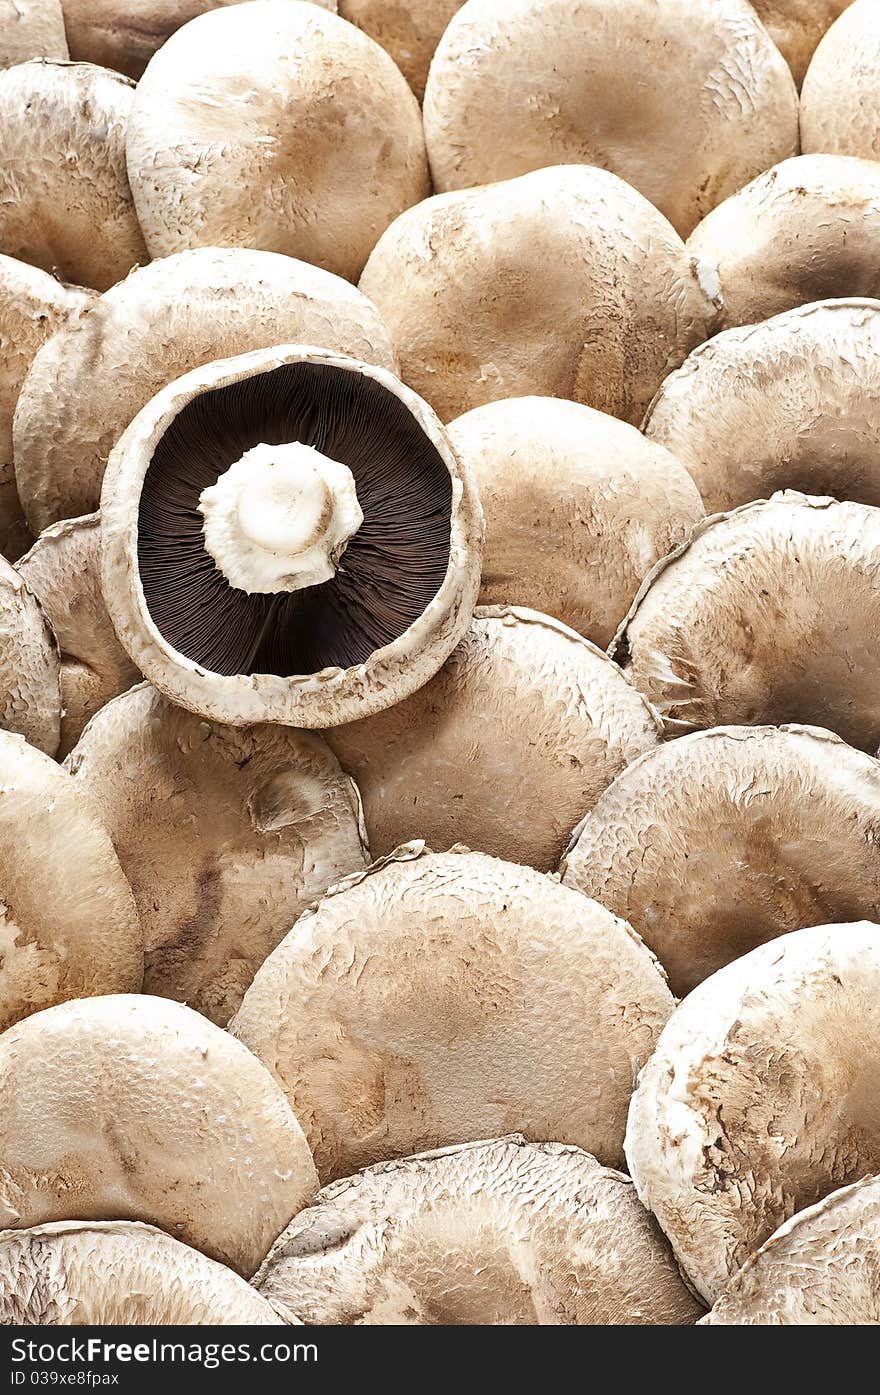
390, 571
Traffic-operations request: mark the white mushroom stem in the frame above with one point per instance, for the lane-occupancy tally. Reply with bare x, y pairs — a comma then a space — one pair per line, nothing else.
280, 517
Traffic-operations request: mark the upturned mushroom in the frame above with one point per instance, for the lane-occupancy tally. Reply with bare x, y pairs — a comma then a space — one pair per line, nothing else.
121, 1273
839, 100
505, 749
288, 536
769, 614
130, 1107
714, 843
180, 312
313, 155
578, 508
31, 29
226, 835
484, 1233
685, 100
796, 26
433, 1000
793, 403
564, 283
30, 691
407, 29
760, 1097
72, 215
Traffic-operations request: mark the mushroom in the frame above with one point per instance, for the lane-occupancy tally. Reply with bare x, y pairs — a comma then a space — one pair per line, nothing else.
87, 383
122, 1273
769, 615
65, 203
225, 833
288, 536
839, 101
760, 1097
714, 843
564, 283
790, 403
446, 997
807, 230
407, 29
32, 306
313, 154
31, 29
579, 507
685, 100
817, 1269
505, 749
30, 694
135, 1108
796, 26
484, 1233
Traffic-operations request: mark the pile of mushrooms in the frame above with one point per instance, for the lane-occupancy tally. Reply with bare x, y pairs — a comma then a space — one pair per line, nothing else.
439, 662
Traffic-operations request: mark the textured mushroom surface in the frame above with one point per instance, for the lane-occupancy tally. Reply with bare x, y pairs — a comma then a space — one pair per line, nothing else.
31, 29
760, 1097
685, 101
313, 154
564, 283
505, 749
30, 692
839, 101
407, 29
770, 614
714, 843
502, 1232
796, 26
225, 833
446, 997
131, 1107
118, 1273
180, 312
578, 508
75, 215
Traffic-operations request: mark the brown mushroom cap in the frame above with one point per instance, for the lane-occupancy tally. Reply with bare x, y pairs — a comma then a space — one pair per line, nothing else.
505, 749
686, 101
313, 155
564, 283
75, 215
136, 1108
225, 833
122, 1273
30, 693
88, 383
578, 507
760, 1097
31, 29
841, 93
769, 615
485, 1233
407, 29
796, 26
790, 403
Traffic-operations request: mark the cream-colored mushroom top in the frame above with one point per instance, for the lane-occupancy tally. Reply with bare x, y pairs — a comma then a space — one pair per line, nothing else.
839, 100
30, 693
31, 29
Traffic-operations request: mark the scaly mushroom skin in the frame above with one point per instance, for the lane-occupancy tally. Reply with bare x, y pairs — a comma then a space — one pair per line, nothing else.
73, 216
407, 29
564, 283
225, 833
136, 1108
839, 100
122, 1273
796, 26
31, 29
578, 508
685, 101
30, 692
494, 1233
434, 1000
313, 155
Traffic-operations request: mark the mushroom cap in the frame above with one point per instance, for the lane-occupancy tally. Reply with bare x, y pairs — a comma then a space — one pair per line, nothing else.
563, 283
807, 230
817, 1269
30, 692
123, 1273
180, 312
445, 997
714, 843
685, 100
68, 922
505, 749
578, 506
379, 629
31, 29
75, 215
769, 615
499, 1232
407, 29
790, 403
225, 833
136, 1108
839, 100
760, 1097
313, 155
796, 26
